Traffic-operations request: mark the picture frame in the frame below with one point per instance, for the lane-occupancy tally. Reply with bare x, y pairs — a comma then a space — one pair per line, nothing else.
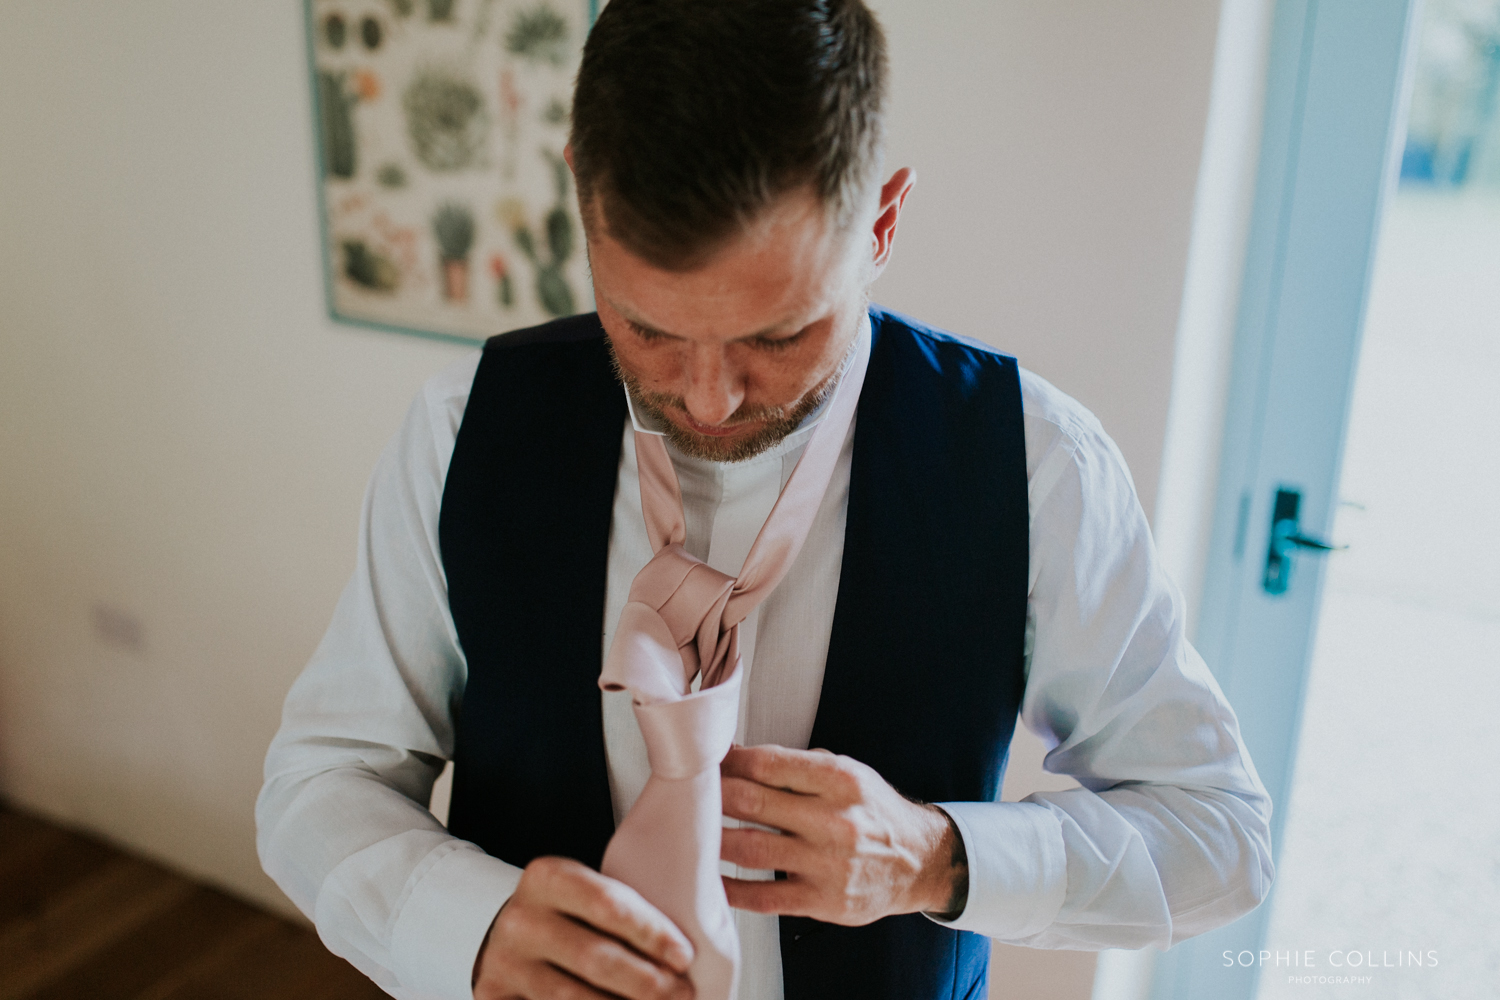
446, 209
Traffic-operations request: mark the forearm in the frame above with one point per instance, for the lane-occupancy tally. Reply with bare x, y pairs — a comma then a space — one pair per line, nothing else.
1207, 858
390, 890
1169, 834
1135, 866
342, 822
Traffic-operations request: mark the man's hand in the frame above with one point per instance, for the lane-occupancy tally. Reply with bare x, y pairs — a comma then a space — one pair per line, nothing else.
569, 933
853, 848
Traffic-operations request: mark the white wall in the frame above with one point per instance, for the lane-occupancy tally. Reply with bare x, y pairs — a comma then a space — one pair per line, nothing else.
1056, 147
184, 437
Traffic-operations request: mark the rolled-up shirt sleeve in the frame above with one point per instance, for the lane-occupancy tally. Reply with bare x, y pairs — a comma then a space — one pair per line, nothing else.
1169, 835
342, 820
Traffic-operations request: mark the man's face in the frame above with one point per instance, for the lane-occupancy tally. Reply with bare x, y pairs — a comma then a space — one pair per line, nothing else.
732, 354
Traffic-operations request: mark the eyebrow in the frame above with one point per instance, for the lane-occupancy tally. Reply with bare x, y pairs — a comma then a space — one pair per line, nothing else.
654, 331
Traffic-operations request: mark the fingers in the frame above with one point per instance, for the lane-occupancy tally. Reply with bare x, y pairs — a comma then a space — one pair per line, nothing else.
809, 772
594, 960
766, 851
789, 897
749, 800
853, 847
569, 932
617, 910
542, 980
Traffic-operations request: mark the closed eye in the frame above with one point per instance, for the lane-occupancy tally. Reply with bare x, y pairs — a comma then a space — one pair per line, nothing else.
779, 343
761, 342
645, 332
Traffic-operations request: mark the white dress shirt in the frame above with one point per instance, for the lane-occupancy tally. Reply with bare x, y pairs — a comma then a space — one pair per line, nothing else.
1167, 837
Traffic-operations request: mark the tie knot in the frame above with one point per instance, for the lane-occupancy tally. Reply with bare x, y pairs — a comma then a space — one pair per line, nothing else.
671, 629
688, 593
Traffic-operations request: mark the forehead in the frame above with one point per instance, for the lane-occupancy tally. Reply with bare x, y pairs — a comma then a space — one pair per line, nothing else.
790, 266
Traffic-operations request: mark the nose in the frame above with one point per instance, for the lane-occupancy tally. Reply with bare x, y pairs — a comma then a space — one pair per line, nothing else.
715, 389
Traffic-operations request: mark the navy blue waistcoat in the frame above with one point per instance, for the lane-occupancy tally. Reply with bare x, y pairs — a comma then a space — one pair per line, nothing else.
924, 672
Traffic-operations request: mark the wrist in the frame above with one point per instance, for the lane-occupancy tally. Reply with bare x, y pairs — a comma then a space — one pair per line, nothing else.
485, 944
946, 872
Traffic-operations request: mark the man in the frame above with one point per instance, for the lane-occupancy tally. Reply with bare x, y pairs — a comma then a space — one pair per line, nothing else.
979, 551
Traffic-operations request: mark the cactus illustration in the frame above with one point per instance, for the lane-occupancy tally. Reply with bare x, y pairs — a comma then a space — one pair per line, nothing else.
505, 292
371, 33
556, 112
336, 115
334, 30
453, 227
539, 35
551, 284
369, 268
444, 118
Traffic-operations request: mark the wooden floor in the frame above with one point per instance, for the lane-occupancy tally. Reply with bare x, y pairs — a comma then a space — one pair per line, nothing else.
80, 920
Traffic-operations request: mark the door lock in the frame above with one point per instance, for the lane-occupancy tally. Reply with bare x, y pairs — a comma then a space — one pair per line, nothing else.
1286, 538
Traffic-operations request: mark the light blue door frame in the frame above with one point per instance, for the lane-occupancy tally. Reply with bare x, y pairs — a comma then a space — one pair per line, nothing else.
1328, 158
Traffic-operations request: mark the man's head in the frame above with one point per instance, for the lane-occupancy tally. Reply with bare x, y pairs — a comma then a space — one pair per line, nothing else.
727, 157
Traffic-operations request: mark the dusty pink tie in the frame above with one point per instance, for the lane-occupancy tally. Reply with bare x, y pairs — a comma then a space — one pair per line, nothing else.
683, 619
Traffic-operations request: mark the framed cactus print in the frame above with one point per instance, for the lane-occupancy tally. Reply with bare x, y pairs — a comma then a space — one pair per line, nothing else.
446, 207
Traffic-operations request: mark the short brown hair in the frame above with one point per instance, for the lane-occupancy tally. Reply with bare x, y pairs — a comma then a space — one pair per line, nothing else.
690, 116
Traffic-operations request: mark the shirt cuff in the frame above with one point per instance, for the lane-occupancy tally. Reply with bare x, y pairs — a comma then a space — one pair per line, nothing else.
1018, 873
454, 898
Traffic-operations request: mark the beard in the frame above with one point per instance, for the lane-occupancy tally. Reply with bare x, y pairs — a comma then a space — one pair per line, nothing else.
776, 421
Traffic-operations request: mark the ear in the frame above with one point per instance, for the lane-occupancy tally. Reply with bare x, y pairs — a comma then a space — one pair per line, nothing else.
568, 155
892, 196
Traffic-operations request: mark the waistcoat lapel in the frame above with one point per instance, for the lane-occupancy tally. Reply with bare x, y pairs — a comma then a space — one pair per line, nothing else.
524, 532
925, 665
